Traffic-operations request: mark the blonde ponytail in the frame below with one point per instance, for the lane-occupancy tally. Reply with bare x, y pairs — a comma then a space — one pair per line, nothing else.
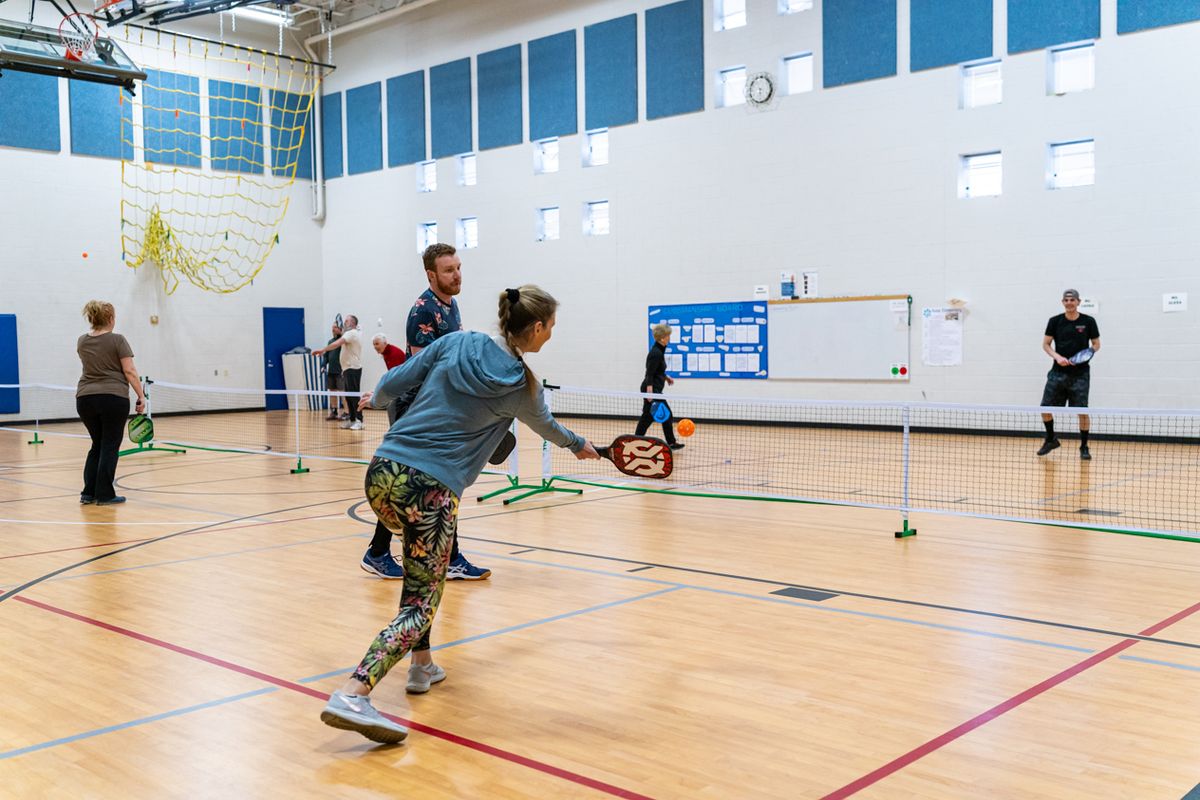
520, 309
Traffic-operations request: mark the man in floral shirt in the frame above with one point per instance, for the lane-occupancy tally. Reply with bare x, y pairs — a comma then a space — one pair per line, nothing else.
433, 315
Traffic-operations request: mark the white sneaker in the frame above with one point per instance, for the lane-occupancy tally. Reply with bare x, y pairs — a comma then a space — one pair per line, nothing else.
346, 425
350, 712
357, 426
420, 678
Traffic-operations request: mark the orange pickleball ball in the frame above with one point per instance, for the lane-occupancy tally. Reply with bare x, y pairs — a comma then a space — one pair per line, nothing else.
686, 427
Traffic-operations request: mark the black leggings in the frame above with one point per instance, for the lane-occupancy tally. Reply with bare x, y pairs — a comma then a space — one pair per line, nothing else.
351, 380
104, 417
647, 419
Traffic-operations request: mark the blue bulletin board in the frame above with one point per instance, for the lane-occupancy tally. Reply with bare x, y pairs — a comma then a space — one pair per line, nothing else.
714, 340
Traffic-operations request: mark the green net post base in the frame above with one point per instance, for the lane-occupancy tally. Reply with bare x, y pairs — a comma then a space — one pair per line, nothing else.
514, 484
906, 532
299, 469
36, 439
149, 448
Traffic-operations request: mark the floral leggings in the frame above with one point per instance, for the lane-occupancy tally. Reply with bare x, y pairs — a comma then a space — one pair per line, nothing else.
408, 500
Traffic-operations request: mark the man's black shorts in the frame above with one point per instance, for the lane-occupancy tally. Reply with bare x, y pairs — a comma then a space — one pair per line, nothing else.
1063, 387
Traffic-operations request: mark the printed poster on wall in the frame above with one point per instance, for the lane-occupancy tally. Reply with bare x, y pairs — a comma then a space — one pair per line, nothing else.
942, 337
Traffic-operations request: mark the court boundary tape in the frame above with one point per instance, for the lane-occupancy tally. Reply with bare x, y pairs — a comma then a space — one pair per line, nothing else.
429, 730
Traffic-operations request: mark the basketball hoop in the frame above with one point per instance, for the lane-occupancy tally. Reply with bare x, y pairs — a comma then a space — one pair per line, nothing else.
78, 33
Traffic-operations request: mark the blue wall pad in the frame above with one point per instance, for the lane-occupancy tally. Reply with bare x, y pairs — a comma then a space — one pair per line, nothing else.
610, 76
235, 124
499, 76
10, 399
291, 133
1138, 15
553, 109
859, 40
364, 129
949, 33
171, 117
406, 118
1034, 24
96, 114
674, 59
450, 108
29, 111
331, 135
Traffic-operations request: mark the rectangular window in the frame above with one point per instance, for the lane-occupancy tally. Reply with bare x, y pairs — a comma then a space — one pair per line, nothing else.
427, 176
982, 85
980, 175
596, 144
729, 14
547, 223
466, 169
1072, 69
545, 156
798, 73
794, 6
731, 87
595, 218
467, 231
426, 235
1072, 164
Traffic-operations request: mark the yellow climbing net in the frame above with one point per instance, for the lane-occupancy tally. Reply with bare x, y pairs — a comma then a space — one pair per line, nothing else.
214, 142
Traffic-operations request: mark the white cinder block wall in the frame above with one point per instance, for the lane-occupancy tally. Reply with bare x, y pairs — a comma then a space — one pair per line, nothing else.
56, 206
857, 182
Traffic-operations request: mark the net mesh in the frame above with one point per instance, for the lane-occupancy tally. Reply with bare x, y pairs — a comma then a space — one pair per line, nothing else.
211, 148
968, 460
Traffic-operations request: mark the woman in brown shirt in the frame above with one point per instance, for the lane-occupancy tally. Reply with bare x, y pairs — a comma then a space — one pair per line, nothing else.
102, 400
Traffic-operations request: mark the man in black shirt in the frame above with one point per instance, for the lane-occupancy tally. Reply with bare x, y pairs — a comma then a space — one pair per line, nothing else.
1069, 333
655, 379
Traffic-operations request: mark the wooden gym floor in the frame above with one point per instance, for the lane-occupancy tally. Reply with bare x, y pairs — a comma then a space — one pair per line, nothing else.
626, 645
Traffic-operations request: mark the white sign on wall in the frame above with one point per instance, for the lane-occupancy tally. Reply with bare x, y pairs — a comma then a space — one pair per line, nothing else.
1088, 305
1174, 301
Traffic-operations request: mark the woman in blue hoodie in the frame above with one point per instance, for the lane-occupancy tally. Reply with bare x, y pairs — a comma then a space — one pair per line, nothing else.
472, 387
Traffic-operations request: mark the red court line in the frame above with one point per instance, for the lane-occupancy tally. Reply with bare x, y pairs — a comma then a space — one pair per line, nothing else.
453, 738
1008, 705
148, 538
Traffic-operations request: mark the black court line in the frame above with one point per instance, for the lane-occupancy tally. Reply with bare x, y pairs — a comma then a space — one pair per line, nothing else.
35, 581
641, 569
520, 552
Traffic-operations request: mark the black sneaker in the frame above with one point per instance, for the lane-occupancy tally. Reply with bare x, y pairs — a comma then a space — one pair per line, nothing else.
1048, 445
676, 445
112, 501
86, 499
1084, 453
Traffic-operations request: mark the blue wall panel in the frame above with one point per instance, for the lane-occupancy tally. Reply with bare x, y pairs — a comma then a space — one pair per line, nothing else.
674, 59
1034, 24
450, 108
171, 117
610, 72
10, 372
406, 118
331, 135
96, 115
1137, 15
291, 134
364, 129
499, 76
29, 111
553, 106
949, 33
235, 125
859, 40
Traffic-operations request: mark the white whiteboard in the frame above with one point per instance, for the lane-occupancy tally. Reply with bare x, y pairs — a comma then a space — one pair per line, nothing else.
840, 338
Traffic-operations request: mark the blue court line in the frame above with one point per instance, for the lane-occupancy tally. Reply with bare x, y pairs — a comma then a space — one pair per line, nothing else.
20, 751
1157, 662
512, 628
246, 695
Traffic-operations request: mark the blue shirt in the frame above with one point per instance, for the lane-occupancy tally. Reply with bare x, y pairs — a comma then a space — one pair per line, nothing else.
430, 319
471, 389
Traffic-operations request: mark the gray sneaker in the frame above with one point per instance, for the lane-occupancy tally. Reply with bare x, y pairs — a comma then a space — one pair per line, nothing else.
420, 678
350, 712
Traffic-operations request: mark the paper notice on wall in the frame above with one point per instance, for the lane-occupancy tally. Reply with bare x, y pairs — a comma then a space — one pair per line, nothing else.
942, 337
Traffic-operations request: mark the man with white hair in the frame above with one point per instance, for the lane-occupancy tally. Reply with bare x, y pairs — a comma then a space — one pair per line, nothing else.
392, 356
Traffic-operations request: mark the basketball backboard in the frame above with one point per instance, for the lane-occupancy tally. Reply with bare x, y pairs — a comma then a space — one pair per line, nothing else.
33, 48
